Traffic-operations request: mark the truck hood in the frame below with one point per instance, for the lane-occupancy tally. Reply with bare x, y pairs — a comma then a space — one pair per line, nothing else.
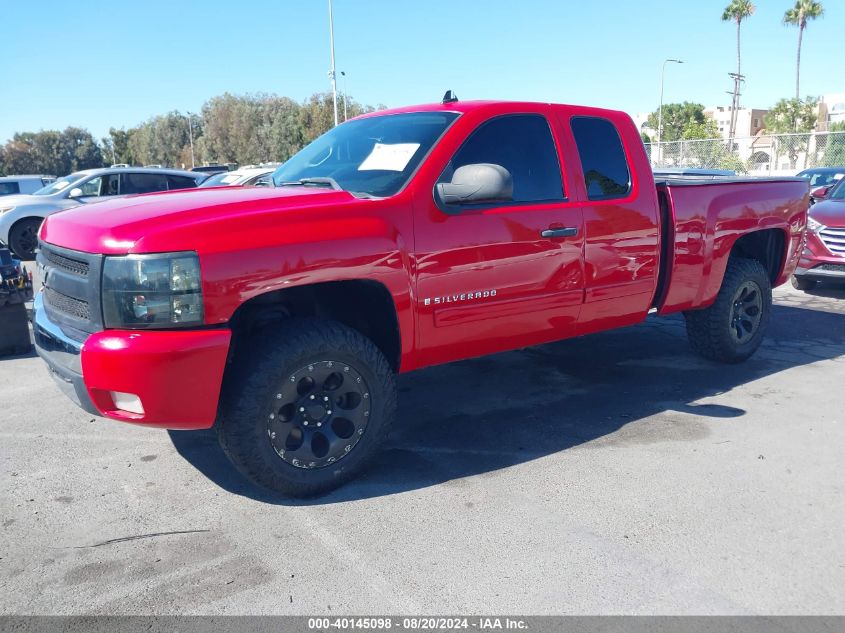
829, 213
201, 220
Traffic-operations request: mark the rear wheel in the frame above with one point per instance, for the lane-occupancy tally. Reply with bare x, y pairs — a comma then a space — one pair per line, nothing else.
309, 409
802, 283
732, 328
23, 237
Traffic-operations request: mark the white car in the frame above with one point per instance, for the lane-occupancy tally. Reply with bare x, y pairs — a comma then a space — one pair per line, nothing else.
238, 177
21, 215
11, 185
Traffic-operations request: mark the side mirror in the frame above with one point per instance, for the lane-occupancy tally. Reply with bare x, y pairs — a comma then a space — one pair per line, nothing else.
76, 192
481, 182
820, 193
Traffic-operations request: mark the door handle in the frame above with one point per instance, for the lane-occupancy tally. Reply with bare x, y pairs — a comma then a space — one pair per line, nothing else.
565, 232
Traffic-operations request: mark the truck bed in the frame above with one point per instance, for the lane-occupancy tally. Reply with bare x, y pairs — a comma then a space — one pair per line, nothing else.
701, 219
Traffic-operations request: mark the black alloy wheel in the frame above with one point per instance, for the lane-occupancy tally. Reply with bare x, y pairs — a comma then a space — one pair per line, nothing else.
305, 406
319, 414
747, 312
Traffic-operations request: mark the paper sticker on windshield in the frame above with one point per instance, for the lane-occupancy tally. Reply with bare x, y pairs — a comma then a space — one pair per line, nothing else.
389, 157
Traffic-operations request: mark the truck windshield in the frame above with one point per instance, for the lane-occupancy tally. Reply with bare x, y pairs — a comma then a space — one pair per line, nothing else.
374, 156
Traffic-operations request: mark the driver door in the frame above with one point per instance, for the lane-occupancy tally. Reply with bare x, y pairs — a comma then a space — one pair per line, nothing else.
507, 274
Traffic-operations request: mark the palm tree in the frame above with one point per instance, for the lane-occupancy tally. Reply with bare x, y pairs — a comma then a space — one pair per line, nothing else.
797, 16
737, 11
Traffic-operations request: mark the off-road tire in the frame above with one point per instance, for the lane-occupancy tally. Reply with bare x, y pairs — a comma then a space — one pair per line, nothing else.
23, 238
802, 283
710, 330
248, 400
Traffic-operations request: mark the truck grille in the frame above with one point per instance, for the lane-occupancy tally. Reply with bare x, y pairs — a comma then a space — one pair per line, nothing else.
74, 307
70, 283
834, 239
66, 263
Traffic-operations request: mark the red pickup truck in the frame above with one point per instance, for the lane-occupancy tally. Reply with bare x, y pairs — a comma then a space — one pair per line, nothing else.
398, 240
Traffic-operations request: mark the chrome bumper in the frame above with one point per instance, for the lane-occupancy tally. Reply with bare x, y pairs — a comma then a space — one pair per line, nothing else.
62, 355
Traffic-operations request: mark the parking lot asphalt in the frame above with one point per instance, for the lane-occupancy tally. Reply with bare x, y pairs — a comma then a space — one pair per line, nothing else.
612, 474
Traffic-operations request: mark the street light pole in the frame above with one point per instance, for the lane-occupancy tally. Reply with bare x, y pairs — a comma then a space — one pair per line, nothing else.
191, 139
660, 109
345, 96
332, 71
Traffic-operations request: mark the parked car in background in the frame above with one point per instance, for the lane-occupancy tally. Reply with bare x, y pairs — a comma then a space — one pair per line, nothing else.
11, 185
693, 172
213, 169
239, 177
21, 215
822, 176
823, 258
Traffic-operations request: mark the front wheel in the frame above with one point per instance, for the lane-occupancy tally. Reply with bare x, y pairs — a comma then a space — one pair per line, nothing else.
23, 238
308, 409
732, 328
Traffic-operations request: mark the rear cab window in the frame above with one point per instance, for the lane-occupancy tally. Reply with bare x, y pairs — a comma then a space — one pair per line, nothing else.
606, 172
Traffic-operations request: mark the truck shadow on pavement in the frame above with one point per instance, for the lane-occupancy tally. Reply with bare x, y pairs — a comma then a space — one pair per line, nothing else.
478, 416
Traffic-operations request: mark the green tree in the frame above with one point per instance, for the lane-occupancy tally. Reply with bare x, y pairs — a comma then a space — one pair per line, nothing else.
161, 140
834, 150
797, 16
794, 117
51, 152
116, 146
677, 117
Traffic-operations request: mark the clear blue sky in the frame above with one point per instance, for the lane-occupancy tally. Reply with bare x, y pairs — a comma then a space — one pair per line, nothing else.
98, 64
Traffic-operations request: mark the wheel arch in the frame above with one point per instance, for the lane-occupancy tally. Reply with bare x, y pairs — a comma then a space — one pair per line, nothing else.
362, 304
766, 245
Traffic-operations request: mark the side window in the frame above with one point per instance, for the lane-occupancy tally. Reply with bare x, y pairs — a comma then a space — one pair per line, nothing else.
606, 173
143, 183
92, 187
111, 185
7, 188
180, 182
522, 144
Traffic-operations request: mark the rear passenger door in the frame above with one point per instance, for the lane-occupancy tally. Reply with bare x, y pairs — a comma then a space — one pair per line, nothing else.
142, 182
621, 232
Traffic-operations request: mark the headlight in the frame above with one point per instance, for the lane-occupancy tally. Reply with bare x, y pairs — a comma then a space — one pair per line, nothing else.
4, 209
152, 291
814, 226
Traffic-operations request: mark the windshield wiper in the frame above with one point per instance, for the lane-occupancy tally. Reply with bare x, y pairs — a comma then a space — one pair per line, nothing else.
322, 181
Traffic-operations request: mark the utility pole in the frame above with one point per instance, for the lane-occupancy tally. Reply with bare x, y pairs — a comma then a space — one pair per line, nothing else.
345, 97
738, 79
332, 71
191, 139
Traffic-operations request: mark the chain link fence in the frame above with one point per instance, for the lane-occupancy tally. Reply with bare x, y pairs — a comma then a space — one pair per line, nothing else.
776, 154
